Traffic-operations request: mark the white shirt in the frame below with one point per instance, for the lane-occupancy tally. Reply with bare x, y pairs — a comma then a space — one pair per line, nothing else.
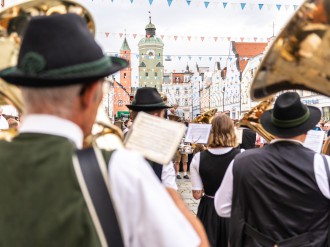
3, 123
223, 197
146, 212
196, 180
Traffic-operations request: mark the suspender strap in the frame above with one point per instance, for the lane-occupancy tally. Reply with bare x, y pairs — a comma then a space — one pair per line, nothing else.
265, 241
326, 166
92, 176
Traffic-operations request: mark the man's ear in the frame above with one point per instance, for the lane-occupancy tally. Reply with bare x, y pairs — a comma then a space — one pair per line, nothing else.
90, 94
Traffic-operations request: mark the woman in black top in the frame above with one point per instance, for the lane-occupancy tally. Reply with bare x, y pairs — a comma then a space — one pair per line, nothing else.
207, 171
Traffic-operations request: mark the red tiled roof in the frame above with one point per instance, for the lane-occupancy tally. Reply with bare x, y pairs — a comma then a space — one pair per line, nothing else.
246, 49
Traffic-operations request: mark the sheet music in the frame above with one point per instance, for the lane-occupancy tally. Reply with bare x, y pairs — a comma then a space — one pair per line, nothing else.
239, 134
198, 133
157, 139
314, 140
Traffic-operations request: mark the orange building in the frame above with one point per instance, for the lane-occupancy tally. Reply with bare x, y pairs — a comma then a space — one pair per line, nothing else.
122, 88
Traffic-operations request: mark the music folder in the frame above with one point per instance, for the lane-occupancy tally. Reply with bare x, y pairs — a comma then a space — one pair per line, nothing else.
157, 139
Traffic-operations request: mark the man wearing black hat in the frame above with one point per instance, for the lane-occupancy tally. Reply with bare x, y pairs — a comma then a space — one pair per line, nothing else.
279, 195
147, 99
47, 185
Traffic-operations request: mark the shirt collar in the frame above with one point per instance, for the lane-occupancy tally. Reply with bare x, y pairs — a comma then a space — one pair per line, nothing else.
286, 140
48, 124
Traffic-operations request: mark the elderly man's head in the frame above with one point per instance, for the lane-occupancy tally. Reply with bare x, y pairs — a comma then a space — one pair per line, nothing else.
66, 85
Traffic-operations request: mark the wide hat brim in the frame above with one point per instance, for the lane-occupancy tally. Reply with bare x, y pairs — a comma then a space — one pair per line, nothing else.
14, 75
314, 118
147, 107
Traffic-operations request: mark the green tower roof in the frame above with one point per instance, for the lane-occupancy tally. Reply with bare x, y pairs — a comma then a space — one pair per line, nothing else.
124, 46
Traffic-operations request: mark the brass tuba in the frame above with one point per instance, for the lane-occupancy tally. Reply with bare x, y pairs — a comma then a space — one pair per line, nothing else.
251, 119
13, 21
299, 56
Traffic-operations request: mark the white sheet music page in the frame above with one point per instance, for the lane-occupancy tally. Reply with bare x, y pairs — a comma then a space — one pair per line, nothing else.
198, 133
314, 140
157, 139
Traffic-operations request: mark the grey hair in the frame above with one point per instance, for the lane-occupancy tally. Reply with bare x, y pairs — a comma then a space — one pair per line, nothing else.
56, 100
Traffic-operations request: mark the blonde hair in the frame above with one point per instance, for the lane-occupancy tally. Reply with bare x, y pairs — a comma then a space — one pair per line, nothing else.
222, 132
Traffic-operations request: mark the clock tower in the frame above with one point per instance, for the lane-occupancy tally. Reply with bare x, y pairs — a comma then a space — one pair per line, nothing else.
151, 68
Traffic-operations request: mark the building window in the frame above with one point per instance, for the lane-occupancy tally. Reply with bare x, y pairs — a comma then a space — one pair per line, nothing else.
120, 102
124, 75
147, 74
155, 73
177, 91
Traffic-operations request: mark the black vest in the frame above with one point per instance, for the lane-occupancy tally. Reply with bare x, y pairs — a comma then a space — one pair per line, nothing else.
276, 193
158, 169
212, 169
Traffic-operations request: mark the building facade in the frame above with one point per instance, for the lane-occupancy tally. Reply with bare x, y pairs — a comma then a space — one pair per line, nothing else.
151, 65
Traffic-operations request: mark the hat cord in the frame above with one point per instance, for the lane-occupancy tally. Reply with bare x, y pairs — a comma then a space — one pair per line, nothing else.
290, 123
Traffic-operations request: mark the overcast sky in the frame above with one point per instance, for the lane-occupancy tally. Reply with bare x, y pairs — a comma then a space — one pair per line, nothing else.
182, 20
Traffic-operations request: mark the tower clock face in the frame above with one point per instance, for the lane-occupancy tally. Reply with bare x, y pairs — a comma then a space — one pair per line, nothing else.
151, 54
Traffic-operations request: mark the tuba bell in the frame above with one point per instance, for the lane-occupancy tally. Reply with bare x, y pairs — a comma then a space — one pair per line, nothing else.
13, 21
251, 119
299, 56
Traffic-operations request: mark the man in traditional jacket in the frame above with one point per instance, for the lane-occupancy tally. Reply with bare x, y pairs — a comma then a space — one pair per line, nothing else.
148, 100
45, 197
279, 195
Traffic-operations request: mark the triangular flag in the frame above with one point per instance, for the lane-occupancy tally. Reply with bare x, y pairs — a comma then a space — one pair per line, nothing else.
189, 57
206, 4
134, 35
179, 57
162, 36
224, 4
215, 39
228, 38
200, 58
202, 38
295, 7
107, 34
210, 58
260, 5
150, 2
230, 58
242, 39
268, 39
188, 2
287, 6
255, 39
278, 6
131, 1
120, 35
243, 5
175, 37
169, 2
189, 37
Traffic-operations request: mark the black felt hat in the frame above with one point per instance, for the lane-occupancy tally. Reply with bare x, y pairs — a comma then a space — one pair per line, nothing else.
290, 117
60, 50
147, 99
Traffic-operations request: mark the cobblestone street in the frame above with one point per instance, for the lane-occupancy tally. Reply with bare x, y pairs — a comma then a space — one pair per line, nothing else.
184, 188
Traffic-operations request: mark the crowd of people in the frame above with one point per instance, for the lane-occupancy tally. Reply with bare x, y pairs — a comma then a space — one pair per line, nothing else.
56, 192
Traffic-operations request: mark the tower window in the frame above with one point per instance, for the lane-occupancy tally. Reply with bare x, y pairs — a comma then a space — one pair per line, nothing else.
147, 74
124, 75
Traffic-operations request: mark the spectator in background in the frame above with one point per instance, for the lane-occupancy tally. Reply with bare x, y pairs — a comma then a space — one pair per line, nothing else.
3, 121
248, 138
